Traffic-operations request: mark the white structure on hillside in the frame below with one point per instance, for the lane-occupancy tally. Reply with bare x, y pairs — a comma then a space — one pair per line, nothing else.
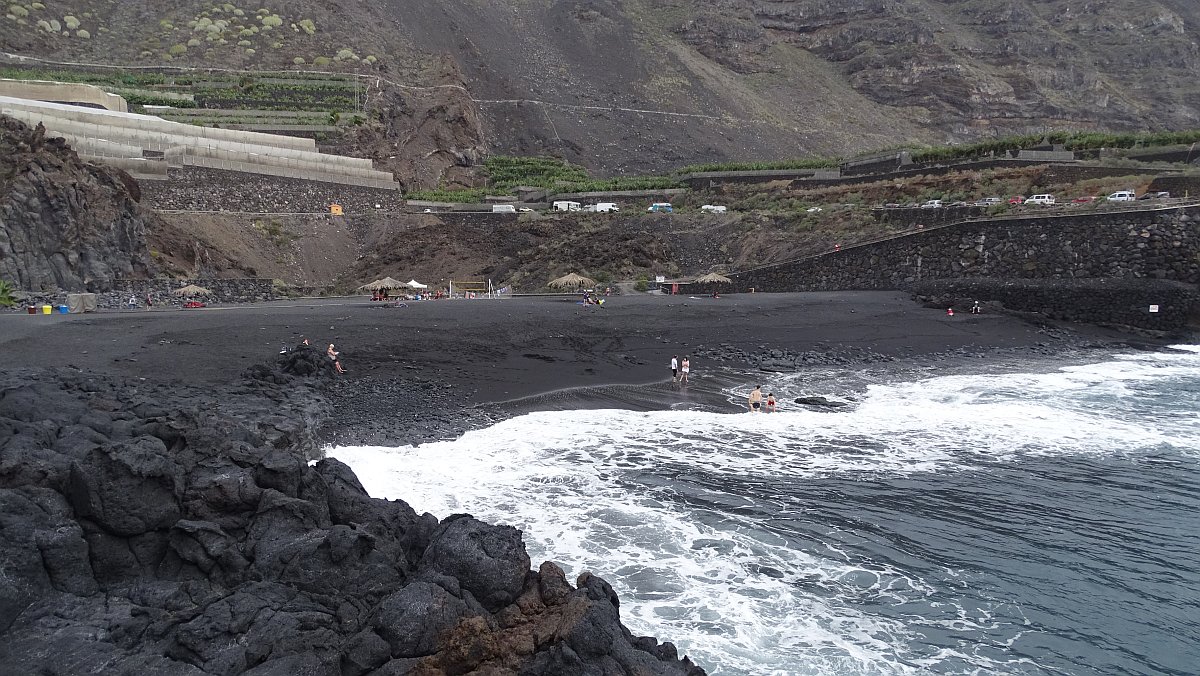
146, 145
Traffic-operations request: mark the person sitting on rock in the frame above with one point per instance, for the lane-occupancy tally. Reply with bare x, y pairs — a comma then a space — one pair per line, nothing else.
333, 356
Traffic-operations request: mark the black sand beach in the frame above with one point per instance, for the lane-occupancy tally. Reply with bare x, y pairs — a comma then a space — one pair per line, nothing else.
436, 368
157, 489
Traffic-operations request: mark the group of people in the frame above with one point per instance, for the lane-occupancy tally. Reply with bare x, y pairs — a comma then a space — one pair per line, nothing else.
591, 299
755, 401
680, 370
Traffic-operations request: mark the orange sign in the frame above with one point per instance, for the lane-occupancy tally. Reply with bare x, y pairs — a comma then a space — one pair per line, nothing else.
335, 209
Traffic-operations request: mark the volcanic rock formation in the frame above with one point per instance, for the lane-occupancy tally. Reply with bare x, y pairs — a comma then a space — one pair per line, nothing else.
167, 530
65, 223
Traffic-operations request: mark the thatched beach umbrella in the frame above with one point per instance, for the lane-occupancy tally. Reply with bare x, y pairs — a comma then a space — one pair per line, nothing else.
191, 290
571, 281
713, 278
381, 284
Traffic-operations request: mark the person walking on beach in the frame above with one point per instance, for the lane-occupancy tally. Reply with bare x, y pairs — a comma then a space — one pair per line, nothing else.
684, 368
333, 356
755, 399
674, 368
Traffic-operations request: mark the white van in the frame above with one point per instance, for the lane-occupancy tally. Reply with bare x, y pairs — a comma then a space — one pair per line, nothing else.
504, 209
1044, 199
564, 205
1122, 196
713, 209
607, 207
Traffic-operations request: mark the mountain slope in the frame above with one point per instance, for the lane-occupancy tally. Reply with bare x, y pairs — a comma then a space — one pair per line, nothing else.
647, 85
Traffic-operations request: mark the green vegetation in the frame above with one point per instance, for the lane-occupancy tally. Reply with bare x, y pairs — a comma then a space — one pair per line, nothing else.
642, 284
505, 174
474, 195
509, 172
805, 163
275, 232
1087, 140
7, 294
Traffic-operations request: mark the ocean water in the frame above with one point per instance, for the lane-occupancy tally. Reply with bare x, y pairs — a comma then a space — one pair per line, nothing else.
1039, 522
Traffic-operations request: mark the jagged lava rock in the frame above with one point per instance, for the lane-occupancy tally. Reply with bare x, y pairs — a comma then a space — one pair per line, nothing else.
169, 530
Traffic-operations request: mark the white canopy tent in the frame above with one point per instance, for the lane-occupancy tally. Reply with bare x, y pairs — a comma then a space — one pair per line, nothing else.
414, 284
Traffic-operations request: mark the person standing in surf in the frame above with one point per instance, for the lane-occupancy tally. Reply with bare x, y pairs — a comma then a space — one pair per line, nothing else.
684, 368
755, 399
674, 368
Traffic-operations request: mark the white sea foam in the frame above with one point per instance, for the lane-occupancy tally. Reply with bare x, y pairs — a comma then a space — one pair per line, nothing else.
600, 491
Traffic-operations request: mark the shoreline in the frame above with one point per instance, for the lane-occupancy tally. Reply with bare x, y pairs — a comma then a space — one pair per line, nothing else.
436, 369
176, 450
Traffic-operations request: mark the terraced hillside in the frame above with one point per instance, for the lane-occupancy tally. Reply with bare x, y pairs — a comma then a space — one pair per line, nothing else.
638, 86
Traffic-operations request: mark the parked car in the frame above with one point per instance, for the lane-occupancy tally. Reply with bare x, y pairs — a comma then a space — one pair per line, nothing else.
565, 205
814, 210
662, 207
892, 205
1045, 199
932, 204
1016, 199
713, 209
1122, 196
602, 207
989, 202
504, 209
1160, 195
1086, 199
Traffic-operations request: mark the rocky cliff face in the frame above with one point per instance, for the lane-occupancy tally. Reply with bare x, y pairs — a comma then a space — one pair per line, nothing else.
647, 85
65, 223
970, 66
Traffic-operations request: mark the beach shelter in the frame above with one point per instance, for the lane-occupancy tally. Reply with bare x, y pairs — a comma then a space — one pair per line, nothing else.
571, 281
713, 278
191, 290
414, 284
380, 284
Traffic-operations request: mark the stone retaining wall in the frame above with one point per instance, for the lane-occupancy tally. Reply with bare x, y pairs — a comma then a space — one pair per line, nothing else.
244, 290
1124, 302
247, 290
1159, 244
202, 189
1178, 186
